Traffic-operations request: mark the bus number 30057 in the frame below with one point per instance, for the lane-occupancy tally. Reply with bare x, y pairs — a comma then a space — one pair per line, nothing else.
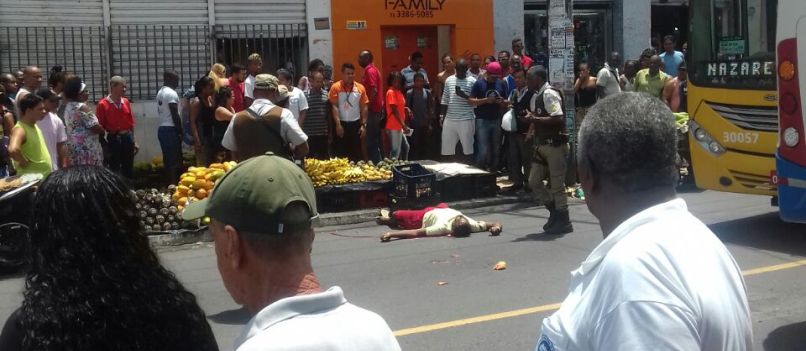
741, 138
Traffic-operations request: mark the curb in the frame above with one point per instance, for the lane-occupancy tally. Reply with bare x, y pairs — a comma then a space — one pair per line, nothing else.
336, 219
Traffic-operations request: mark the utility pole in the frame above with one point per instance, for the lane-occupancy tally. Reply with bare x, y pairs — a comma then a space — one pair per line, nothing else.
561, 68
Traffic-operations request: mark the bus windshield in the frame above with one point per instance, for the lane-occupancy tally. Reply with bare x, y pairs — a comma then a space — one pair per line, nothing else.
733, 44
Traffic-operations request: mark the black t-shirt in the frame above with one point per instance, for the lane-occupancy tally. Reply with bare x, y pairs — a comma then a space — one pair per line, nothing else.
11, 337
481, 90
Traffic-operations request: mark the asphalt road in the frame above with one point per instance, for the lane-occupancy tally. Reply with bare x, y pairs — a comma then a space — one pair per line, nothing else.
442, 294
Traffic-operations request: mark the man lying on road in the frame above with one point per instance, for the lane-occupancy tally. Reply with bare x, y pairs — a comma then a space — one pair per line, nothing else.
432, 222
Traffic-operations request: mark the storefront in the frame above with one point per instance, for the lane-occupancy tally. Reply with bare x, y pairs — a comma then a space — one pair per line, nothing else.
593, 31
393, 30
600, 26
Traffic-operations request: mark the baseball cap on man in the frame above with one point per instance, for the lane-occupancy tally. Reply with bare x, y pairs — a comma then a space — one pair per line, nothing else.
494, 68
266, 82
256, 195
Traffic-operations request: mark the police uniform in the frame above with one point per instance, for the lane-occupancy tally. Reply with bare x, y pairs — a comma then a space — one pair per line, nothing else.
550, 160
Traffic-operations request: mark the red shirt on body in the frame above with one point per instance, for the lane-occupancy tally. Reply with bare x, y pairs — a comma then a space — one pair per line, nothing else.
526, 61
237, 93
372, 79
115, 118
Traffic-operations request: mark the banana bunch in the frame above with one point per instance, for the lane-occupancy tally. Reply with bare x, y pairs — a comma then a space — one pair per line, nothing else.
338, 171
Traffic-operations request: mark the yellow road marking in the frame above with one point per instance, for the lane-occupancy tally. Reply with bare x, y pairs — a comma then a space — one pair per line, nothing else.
555, 306
777, 267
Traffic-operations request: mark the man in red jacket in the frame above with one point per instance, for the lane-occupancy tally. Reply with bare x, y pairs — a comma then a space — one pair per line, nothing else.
115, 115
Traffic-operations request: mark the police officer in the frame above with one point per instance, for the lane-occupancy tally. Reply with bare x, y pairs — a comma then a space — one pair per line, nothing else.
550, 157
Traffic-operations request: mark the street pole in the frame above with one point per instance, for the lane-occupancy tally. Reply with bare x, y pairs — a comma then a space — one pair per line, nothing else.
561, 69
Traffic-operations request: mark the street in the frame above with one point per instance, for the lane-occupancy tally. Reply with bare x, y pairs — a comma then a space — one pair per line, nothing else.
442, 294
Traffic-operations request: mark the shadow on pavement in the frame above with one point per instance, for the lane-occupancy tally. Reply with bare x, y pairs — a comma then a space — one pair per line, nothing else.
538, 237
232, 317
766, 232
786, 338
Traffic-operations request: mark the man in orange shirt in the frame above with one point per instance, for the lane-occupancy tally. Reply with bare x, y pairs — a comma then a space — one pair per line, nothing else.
114, 113
349, 100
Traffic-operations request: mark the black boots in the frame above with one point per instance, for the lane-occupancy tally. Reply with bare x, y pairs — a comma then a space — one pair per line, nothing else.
559, 222
552, 216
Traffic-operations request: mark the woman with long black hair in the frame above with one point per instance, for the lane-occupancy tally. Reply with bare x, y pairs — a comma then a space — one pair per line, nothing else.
202, 119
94, 283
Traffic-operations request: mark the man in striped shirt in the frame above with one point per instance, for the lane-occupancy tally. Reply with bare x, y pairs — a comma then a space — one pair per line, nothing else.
315, 125
458, 120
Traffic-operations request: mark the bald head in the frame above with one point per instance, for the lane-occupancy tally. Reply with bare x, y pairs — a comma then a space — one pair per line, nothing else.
461, 68
654, 64
31, 78
365, 58
9, 82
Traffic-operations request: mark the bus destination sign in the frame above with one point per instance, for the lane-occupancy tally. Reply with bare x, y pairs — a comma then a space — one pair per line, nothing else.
740, 69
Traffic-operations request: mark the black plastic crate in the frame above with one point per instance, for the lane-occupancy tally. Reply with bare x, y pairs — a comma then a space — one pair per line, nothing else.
404, 203
413, 181
485, 185
337, 201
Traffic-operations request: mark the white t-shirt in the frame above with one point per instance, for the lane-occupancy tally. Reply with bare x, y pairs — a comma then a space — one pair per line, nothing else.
608, 79
165, 97
297, 102
440, 221
53, 132
249, 87
323, 321
661, 281
289, 127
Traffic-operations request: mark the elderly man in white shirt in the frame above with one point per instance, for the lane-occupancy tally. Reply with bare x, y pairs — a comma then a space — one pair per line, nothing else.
660, 280
246, 138
263, 212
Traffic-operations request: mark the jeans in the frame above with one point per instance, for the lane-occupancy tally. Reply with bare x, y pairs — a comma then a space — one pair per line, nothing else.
121, 154
399, 145
373, 136
171, 145
488, 141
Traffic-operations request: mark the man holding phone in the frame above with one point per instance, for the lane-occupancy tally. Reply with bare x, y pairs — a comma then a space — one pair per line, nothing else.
488, 98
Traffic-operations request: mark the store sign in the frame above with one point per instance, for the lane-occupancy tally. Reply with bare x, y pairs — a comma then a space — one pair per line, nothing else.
740, 69
413, 8
356, 25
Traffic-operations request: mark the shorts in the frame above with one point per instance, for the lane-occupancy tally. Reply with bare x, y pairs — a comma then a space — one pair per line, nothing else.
458, 131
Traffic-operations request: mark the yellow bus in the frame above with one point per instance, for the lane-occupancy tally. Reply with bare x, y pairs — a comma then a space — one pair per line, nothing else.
732, 97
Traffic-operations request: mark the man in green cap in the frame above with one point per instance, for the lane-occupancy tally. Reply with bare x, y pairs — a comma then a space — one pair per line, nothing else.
262, 214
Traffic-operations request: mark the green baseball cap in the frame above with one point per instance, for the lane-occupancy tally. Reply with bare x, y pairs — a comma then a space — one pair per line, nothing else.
255, 197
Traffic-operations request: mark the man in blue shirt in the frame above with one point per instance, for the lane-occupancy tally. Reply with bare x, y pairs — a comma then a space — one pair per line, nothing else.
671, 58
488, 96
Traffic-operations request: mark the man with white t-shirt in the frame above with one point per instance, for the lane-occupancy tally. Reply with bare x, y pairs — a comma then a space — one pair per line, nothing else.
660, 280
297, 102
607, 80
53, 130
264, 126
169, 132
263, 212
254, 64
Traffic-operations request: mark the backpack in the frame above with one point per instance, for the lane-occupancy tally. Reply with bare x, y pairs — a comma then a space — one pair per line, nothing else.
255, 134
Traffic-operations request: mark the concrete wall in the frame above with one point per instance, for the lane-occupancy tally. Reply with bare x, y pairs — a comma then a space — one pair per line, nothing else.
635, 26
320, 42
508, 23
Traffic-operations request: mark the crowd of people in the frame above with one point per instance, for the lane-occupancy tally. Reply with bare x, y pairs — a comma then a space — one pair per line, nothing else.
94, 283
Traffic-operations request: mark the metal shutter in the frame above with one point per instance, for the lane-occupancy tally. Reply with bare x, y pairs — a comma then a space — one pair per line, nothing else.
45, 33
236, 12
149, 36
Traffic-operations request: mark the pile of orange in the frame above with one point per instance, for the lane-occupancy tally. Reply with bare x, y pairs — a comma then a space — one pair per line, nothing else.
198, 182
